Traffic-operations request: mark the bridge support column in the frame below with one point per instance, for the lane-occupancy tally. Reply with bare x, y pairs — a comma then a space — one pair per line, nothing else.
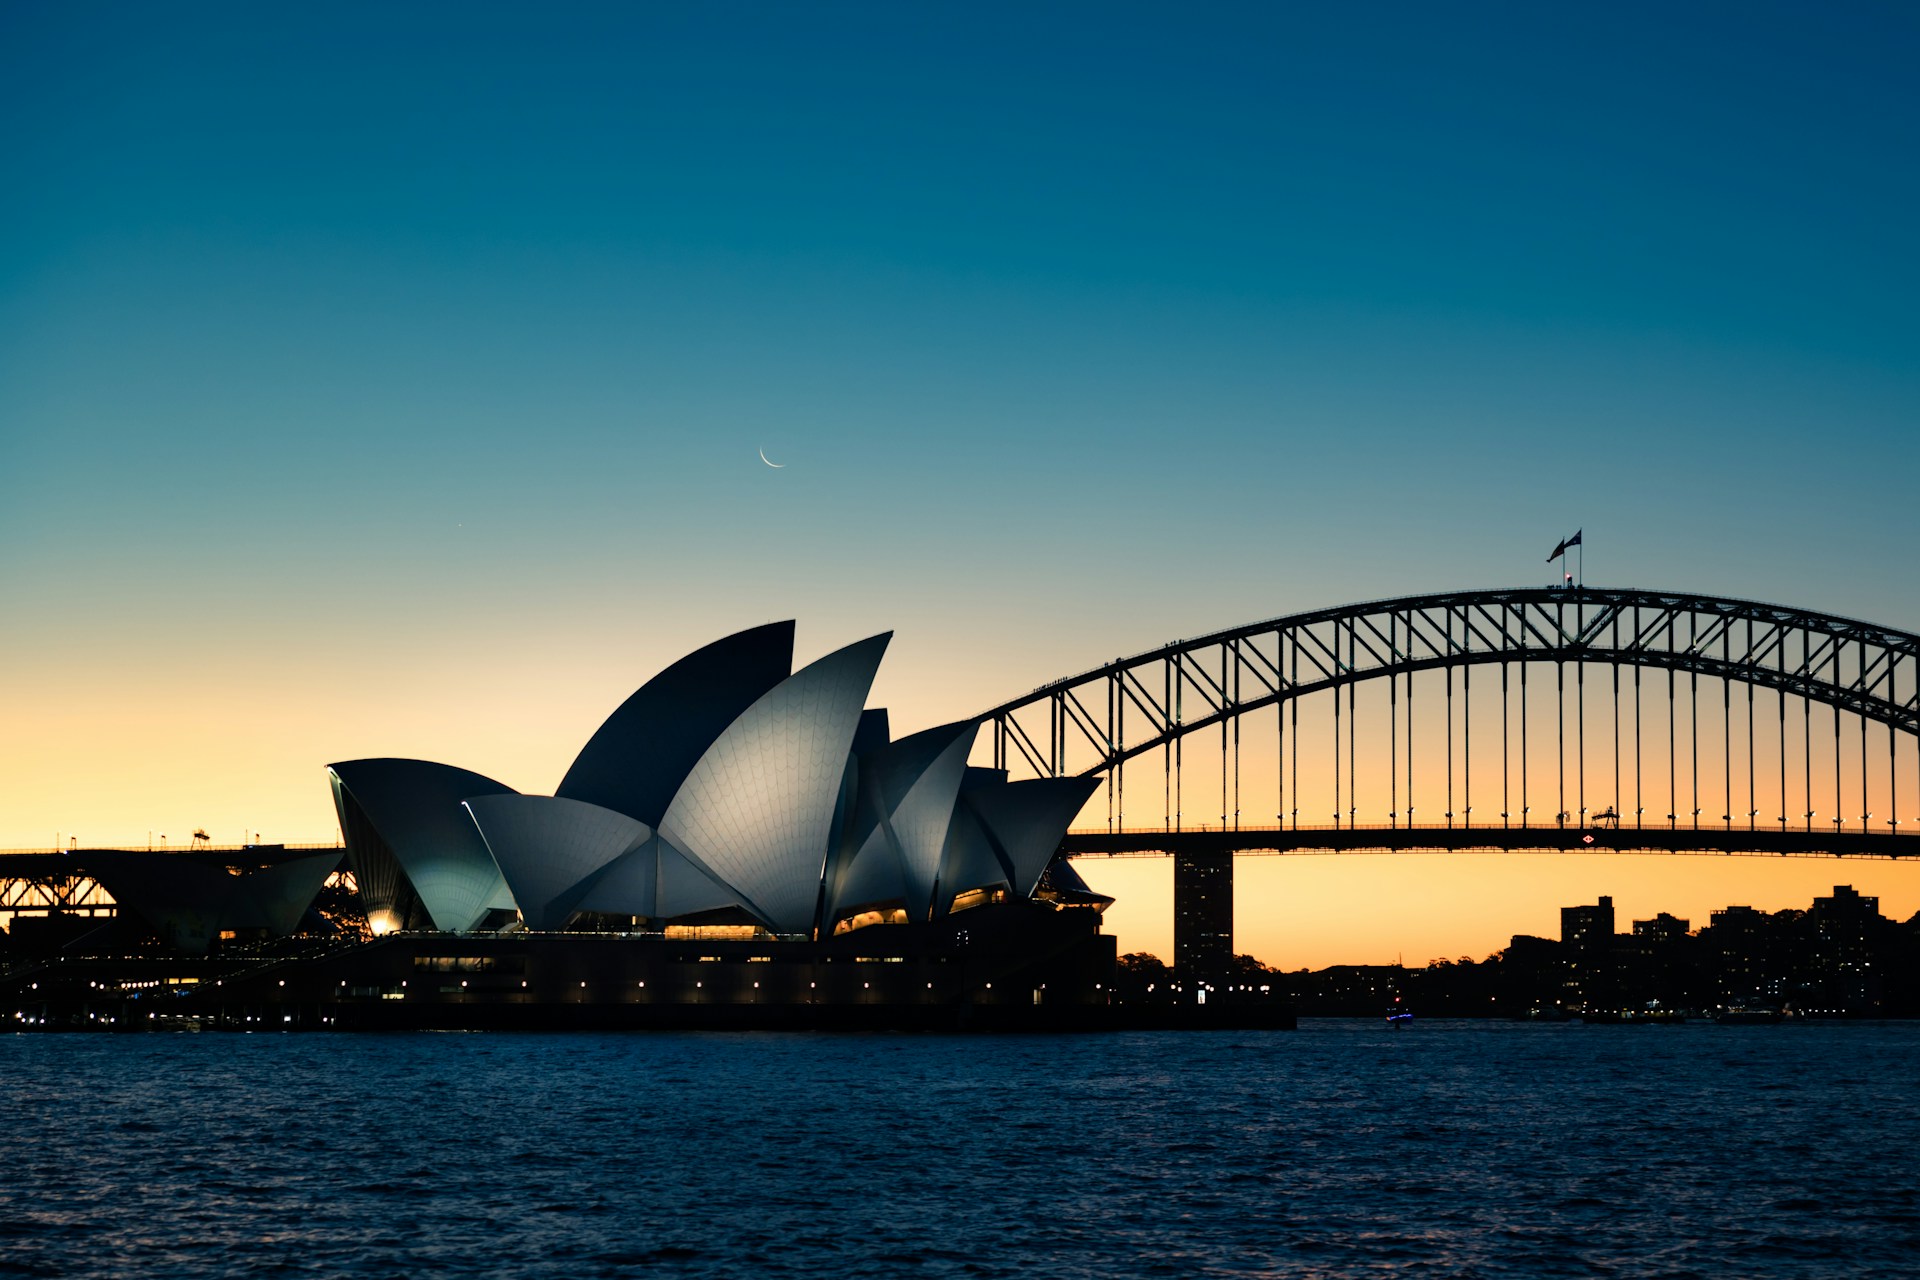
1202, 912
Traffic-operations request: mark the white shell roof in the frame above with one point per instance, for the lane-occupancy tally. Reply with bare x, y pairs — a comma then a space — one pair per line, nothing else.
907, 790
872, 875
659, 881
757, 809
919, 821
415, 806
1027, 820
552, 850
969, 860
638, 758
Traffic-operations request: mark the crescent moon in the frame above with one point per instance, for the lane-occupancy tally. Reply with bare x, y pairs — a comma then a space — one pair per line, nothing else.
769, 461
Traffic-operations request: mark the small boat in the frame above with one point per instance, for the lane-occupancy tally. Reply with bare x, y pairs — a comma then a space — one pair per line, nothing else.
1653, 1013
1398, 1015
1747, 1015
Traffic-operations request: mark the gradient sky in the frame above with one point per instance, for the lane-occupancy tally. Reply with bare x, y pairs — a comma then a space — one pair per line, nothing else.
387, 380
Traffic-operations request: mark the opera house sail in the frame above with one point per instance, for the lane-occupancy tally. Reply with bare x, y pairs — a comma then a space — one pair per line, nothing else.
415, 856
636, 761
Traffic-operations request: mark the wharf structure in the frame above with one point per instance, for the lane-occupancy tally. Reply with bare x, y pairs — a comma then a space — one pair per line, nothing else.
738, 845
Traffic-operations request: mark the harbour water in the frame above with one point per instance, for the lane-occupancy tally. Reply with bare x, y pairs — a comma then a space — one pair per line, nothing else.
1343, 1149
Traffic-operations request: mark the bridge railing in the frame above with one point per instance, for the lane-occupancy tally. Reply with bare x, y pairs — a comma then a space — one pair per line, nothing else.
1738, 825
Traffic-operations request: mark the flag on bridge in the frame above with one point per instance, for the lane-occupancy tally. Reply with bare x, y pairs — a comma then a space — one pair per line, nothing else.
1561, 548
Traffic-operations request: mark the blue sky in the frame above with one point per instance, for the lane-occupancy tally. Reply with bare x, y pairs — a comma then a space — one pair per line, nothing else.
340, 337
1154, 288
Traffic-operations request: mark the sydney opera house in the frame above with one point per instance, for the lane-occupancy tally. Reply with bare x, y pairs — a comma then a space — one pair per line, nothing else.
739, 844
730, 790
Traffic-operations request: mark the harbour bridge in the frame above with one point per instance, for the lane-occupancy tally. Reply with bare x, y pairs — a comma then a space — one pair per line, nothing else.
1600, 720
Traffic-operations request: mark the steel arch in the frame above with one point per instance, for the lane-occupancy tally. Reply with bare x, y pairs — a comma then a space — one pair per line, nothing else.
1863, 668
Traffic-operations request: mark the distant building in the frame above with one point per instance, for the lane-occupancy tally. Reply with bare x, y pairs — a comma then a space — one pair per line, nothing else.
1527, 951
1658, 962
1588, 930
1844, 931
1662, 928
1533, 972
1743, 952
1586, 935
1203, 913
1348, 990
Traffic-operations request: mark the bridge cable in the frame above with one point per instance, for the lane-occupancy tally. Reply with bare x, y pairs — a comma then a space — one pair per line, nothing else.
1753, 799
1806, 733
1466, 744
1295, 704
1639, 765
1865, 803
1727, 735
1353, 726
1839, 797
1673, 751
1236, 736
1117, 718
1780, 695
1179, 743
1614, 674
1580, 694
1116, 742
1449, 634
1639, 769
1560, 711
1409, 729
1223, 740
1335, 691
1618, 799
1619, 795
1893, 761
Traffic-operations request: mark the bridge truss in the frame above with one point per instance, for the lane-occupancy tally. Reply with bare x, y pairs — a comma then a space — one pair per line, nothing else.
1621, 673
51, 892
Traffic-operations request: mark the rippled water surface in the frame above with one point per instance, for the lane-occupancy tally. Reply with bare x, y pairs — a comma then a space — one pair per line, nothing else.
1342, 1149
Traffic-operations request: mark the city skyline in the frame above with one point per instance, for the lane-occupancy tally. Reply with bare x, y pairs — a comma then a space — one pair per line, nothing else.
352, 361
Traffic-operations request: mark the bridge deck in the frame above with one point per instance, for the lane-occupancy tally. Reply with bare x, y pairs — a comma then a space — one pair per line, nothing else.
56, 863
1151, 843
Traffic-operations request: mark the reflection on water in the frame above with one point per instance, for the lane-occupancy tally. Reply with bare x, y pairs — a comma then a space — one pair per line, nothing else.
1340, 1150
